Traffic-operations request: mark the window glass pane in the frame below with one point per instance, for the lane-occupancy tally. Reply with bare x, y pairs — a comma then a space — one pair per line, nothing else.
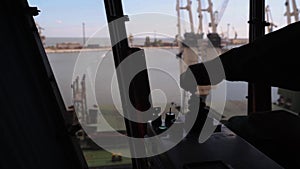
235, 31
65, 28
77, 43
280, 15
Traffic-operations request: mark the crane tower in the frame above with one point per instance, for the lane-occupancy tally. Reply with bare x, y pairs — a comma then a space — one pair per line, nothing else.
294, 13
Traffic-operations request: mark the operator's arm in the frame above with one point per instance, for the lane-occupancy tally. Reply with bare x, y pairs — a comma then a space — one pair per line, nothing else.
271, 59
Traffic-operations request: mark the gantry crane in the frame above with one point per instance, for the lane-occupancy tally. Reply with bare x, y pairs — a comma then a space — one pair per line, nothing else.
290, 14
196, 52
215, 16
269, 19
235, 32
219, 14
182, 50
188, 7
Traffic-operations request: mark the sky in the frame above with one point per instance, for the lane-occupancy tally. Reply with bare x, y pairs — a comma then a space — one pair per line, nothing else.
64, 18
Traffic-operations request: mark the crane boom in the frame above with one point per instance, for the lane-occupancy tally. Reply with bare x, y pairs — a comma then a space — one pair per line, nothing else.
222, 10
215, 16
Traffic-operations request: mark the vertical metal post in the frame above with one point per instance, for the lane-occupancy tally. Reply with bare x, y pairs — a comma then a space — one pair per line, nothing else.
259, 94
189, 8
212, 17
288, 12
178, 20
139, 86
295, 11
200, 16
83, 33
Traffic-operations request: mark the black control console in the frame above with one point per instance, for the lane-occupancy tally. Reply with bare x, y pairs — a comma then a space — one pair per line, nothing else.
223, 149
197, 109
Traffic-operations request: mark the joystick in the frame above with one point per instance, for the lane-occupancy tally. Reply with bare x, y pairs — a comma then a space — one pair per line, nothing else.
170, 117
162, 127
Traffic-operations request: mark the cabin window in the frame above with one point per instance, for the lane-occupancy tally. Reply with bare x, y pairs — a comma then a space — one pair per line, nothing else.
279, 16
77, 42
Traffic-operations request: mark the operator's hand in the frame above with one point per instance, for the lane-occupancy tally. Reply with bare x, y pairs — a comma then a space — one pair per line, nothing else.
195, 75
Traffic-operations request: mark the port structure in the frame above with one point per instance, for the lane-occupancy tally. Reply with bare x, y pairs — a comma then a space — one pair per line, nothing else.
269, 19
79, 99
289, 14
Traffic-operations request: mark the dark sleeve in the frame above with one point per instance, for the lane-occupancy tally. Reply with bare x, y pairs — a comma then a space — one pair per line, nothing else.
271, 59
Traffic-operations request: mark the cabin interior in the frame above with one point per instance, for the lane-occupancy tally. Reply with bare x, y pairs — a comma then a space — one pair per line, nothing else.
37, 130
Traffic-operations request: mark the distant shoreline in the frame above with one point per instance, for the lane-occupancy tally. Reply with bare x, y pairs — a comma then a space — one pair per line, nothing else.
48, 50
74, 50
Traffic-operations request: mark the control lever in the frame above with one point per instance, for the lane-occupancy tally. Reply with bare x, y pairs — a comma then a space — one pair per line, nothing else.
170, 117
